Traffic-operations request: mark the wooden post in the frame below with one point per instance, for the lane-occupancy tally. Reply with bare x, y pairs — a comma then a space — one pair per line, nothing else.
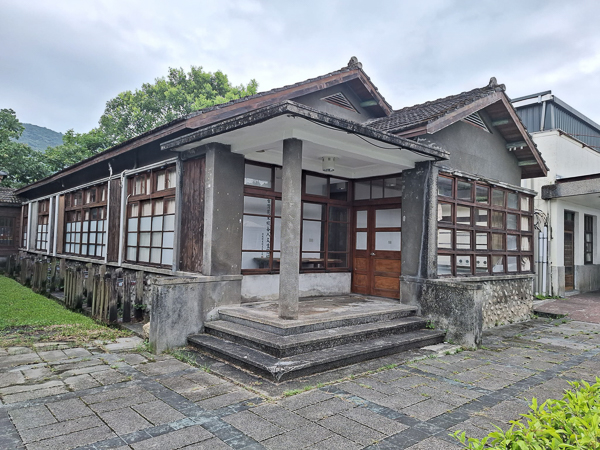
52, 285
113, 298
107, 294
61, 273
89, 284
127, 297
44, 276
139, 295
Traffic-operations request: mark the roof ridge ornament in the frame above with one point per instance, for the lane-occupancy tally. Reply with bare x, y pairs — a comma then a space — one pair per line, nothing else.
354, 63
493, 84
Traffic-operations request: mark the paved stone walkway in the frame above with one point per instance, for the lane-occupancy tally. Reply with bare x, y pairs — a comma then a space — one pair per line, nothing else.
583, 307
90, 398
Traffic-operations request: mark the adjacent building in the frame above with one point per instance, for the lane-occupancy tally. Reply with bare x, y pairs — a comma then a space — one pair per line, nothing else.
568, 204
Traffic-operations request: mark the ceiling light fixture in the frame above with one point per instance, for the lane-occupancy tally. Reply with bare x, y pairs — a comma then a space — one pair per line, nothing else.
328, 163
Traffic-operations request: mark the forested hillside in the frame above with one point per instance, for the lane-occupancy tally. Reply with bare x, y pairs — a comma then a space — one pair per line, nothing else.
40, 138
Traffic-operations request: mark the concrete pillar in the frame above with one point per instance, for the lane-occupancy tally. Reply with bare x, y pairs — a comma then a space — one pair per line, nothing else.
419, 230
291, 218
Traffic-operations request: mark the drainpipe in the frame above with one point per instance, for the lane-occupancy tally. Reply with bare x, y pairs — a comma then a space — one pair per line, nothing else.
544, 248
106, 236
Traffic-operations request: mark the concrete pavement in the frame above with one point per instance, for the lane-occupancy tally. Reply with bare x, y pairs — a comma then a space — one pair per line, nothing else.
95, 398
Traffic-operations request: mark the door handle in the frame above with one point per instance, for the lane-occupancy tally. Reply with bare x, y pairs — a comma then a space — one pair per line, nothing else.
372, 254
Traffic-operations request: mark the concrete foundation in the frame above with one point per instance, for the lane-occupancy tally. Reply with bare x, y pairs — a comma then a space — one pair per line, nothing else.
465, 307
260, 288
180, 306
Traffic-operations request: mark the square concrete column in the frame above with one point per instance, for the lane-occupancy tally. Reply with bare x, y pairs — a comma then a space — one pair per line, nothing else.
291, 217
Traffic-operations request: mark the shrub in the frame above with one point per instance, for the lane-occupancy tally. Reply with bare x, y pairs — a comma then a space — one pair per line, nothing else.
570, 423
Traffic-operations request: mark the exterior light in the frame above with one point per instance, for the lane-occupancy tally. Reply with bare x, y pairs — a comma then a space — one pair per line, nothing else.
2, 174
328, 163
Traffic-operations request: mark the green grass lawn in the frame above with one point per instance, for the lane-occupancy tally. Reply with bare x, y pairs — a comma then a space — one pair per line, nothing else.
27, 318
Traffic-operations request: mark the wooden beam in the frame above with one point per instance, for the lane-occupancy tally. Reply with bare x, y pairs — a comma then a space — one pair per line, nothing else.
531, 162
455, 116
369, 103
497, 123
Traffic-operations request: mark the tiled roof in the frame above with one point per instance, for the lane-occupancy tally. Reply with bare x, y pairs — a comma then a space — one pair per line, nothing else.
7, 195
413, 116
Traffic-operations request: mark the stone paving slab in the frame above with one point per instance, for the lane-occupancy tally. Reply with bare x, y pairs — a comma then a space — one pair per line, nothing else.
75, 398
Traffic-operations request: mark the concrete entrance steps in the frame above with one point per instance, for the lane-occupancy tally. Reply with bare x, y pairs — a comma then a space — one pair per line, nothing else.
330, 333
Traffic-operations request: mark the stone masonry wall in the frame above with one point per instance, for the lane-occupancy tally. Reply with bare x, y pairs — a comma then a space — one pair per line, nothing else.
506, 301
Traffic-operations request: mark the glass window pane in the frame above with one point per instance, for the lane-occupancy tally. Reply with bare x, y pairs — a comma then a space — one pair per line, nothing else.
160, 182
131, 225
497, 219
511, 242
84, 238
145, 223
278, 179
93, 237
169, 224
481, 241
511, 221
93, 249
444, 266
497, 197
168, 240
86, 226
155, 256
512, 200
157, 223
313, 211
525, 243
386, 218
256, 233
338, 237
158, 207
313, 236
497, 264
525, 223
132, 239
445, 212
131, 251
167, 257
392, 187
338, 189
313, 260
377, 189
362, 190
525, 264
524, 203
463, 265
387, 240
156, 239
337, 260
463, 215
445, 186
481, 264
133, 210
258, 176
316, 185
444, 238
512, 263
481, 219
338, 214
361, 240
94, 224
464, 191
482, 194
497, 241
147, 208
255, 260
361, 219
144, 254
278, 208
145, 239
169, 206
277, 235
463, 240
171, 178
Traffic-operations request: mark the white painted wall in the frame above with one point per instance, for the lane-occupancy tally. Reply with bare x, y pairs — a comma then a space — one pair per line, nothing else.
266, 287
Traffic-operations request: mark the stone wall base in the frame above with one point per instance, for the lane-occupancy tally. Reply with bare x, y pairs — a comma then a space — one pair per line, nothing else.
465, 307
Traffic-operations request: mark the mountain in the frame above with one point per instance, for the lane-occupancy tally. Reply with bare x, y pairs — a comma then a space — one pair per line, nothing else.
40, 138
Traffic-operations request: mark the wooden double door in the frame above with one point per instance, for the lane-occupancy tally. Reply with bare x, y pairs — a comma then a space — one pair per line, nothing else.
377, 243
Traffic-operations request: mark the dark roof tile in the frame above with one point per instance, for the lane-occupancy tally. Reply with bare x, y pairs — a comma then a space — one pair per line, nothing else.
7, 195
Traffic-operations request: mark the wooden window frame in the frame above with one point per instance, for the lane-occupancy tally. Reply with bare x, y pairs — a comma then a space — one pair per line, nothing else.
43, 220
7, 231
473, 253
80, 205
24, 226
150, 181
588, 245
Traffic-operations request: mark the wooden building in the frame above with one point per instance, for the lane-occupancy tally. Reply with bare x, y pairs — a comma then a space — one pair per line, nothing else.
10, 223
315, 189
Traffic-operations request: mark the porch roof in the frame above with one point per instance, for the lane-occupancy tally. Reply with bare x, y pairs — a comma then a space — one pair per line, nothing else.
360, 150
583, 190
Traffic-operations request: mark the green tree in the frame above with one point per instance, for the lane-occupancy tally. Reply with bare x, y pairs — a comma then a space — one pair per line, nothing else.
130, 114
23, 164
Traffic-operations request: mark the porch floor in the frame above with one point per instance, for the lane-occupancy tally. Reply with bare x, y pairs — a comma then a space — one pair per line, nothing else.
314, 310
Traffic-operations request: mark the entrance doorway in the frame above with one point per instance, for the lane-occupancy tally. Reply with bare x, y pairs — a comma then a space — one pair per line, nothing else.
377, 238
569, 251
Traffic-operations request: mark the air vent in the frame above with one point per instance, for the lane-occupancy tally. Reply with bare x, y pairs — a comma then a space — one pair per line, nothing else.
340, 100
475, 119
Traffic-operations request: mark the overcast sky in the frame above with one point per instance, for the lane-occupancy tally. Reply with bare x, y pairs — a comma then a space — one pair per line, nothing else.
60, 61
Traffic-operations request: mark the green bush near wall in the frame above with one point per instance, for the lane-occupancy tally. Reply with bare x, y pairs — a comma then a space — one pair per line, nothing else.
570, 423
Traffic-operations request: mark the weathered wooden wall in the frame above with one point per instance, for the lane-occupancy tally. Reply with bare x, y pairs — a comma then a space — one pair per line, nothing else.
192, 215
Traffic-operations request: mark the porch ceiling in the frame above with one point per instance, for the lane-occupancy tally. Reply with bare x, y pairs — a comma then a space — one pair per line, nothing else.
359, 151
